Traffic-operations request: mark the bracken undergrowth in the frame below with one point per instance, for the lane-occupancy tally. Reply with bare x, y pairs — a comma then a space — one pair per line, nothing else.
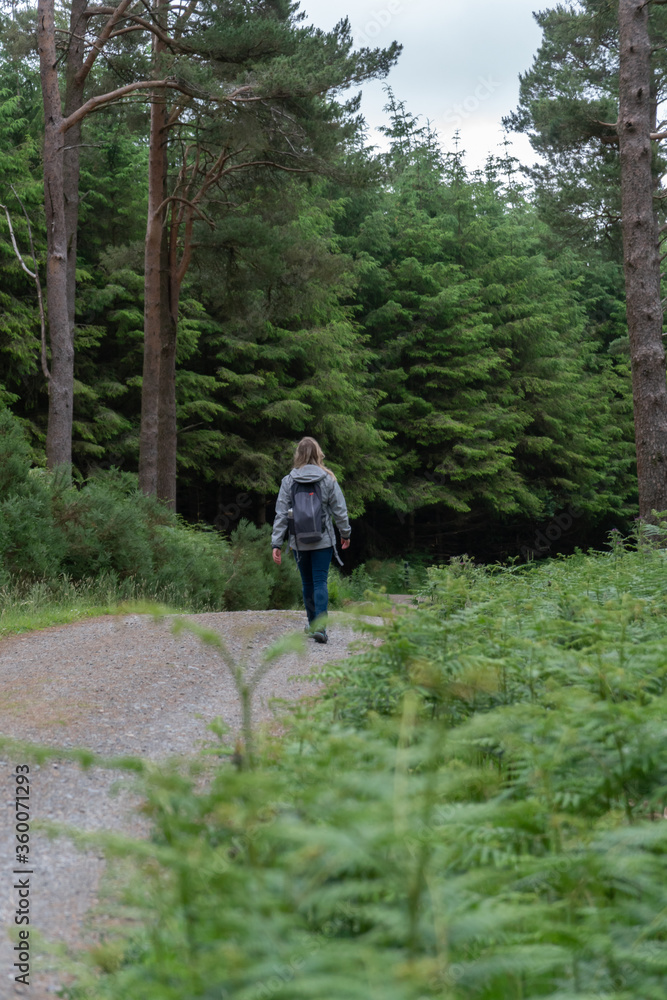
473, 810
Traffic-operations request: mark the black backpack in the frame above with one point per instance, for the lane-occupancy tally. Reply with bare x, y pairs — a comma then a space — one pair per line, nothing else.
307, 522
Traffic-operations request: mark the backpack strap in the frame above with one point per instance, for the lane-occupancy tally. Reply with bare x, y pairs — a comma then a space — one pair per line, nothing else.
330, 530
290, 520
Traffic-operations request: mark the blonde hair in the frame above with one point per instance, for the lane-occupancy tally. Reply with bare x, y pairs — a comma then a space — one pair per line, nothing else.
308, 452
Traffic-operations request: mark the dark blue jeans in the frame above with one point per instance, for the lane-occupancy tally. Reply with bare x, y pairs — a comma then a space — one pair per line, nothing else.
314, 568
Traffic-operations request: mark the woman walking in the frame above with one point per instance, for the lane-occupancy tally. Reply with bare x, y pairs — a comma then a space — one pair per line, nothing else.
308, 500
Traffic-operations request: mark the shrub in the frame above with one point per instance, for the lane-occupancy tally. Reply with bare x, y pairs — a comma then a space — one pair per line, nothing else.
31, 546
108, 529
14, 454
389, 575
337, 585
486, 824
287, 588
109, 526
105, 530
194, 564
371, 577
256, 582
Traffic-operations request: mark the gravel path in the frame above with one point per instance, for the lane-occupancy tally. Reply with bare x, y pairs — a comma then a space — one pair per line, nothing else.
125, 685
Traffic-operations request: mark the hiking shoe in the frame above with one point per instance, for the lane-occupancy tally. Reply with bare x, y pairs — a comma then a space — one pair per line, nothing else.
320, 635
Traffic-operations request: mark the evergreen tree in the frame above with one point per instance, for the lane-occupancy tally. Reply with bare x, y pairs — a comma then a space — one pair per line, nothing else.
270, 104
289, 359
568, 107
21, 191
266, 353
497, 392
590, 103
570, 400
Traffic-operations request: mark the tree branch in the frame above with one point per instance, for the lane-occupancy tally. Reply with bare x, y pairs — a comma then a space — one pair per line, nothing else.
183, 19
125, 31
170, 84
101, 40
155, 28
266, 163
188, 202
97, 11
32, 274
177, 111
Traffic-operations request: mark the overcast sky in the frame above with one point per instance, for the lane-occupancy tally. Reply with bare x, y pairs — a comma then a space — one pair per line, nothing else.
459, 67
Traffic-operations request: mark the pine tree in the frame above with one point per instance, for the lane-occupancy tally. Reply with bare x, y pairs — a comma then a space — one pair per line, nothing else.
590, 104
271, 86
499, 395
24, 367
288, 357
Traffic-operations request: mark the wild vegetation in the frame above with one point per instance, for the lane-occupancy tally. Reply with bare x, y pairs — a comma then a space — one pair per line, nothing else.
475, 809
68, 551
459, 348
108, 542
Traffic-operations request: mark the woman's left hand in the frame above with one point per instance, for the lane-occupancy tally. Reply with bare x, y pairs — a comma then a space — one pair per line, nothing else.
345, 543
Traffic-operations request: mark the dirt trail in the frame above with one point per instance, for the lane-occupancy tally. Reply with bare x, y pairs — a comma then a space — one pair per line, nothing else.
124, 685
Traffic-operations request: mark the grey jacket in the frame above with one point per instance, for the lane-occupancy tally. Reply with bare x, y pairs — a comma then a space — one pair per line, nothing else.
333, 504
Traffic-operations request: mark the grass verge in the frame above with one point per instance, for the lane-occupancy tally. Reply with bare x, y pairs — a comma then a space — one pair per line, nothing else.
60, 602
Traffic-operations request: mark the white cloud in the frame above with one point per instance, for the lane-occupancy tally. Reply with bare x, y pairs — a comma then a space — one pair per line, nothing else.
460, 63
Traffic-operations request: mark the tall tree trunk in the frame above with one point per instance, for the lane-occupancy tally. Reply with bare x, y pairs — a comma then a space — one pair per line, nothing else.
155, 276
174, 272
74, 87
61, 386
641, 257
167, 438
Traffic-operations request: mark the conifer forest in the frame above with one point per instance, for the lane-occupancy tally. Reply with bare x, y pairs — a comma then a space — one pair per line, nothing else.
223, 263
205, 255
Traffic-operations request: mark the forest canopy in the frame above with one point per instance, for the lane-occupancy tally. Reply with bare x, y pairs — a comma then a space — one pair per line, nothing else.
460, 355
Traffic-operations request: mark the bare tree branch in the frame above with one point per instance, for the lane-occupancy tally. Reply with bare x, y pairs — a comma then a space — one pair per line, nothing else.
32, 274
170, 84
188, 202
266, 163
126, 31
97, 11
101, 40
178, 110
154, 28
184, 18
